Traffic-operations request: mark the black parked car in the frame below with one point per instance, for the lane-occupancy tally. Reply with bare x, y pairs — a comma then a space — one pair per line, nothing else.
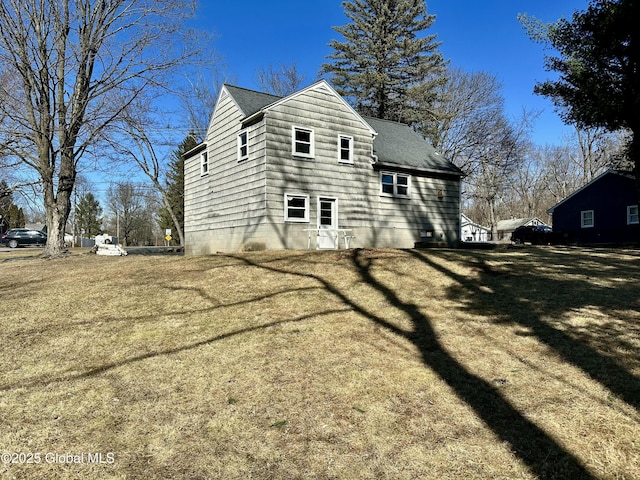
18, 237
534, 234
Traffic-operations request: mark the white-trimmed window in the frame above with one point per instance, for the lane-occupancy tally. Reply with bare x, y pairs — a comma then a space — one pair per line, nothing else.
204, 163
586, 219
395, 184
296, 207
632, 215
302, 142
243, 145
345, 149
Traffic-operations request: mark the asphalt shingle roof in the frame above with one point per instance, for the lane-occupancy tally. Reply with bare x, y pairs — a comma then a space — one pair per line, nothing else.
251, 101
399, 145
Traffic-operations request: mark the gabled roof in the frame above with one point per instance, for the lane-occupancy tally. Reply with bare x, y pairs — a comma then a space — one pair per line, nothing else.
588, 184
253, 103
512, 224
398, 145
464, 221
250, 101
395, 145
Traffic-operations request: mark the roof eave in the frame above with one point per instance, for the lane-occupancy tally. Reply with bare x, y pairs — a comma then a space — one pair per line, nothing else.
410, 168
195, 150
574, 193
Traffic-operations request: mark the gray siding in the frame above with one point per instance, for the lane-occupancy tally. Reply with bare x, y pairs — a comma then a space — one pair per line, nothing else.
375, 220
232, 194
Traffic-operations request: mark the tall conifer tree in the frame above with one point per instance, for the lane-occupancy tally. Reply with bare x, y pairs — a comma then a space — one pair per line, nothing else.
387, 66
175, 185
6, 200
88, 215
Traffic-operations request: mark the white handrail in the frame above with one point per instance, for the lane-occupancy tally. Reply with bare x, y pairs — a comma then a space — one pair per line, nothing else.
347, 238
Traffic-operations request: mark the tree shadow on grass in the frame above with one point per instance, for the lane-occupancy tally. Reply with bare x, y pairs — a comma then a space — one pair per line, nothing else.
537, 303
541, 453
104, 368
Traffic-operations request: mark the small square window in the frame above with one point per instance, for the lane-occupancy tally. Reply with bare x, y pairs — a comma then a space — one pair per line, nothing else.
586, 219
632, 215
296, 208
303, 142
204, 163
243, 148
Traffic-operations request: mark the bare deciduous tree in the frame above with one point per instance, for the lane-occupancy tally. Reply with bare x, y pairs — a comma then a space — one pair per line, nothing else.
282, 81
78, 64
199, 100
469, 105
131, 207
136, 144
474, 132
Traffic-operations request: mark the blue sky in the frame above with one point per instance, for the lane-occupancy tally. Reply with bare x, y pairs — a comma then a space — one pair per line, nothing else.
475, 36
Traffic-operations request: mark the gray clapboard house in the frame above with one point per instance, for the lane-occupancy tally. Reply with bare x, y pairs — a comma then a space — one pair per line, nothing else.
307, 171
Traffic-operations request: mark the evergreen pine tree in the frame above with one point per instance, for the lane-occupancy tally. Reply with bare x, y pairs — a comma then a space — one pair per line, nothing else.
175, 185
88, 215
386, 65
6, 200
16, 217
22, 221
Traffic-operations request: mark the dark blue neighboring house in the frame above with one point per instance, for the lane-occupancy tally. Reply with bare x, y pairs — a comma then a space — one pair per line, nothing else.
604, 211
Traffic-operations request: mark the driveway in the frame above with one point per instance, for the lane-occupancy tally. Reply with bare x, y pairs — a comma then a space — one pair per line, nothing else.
154, 250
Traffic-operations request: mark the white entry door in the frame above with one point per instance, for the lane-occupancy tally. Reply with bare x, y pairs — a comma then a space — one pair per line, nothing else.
327, 222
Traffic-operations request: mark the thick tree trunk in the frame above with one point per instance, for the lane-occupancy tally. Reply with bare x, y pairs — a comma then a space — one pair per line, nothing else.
57, 203
491, 203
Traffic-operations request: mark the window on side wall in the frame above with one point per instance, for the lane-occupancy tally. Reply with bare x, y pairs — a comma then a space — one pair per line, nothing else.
586, 219
243, 145
204, 163
394, 184
296, 208
632, 215
345, 149
303, 142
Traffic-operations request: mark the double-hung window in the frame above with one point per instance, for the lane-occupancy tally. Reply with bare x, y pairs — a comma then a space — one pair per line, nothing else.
303, 142
586, 219
204, 163
296, 207
243, 145
632, 214
394, 184
345, 149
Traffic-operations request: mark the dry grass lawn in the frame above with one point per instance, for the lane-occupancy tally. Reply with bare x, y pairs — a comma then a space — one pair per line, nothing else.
369, 364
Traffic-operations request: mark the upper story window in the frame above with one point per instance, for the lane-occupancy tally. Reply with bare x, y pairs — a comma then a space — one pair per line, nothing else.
394, 184
303, 142
586, 219
243, 145
345, 149
204, 163
632, 214
296, 208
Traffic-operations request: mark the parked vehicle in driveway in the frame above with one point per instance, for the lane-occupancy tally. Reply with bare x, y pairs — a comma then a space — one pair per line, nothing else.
19, 237
534, 234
